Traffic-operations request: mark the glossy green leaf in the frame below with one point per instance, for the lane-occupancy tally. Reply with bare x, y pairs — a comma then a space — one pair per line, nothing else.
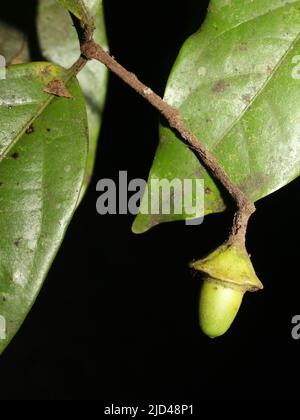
77, 8
59, 43
236, 83
13, 44
43, 153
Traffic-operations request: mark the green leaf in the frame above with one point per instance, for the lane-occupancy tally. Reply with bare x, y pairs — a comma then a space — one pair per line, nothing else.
236, 84
77, 8
13, 44
43, 152
59, 43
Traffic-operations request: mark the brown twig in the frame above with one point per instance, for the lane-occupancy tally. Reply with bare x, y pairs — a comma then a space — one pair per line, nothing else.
91, 50
85, 33
245, 206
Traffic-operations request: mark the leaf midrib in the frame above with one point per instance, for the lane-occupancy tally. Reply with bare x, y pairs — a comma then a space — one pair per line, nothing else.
254, 17
258, 93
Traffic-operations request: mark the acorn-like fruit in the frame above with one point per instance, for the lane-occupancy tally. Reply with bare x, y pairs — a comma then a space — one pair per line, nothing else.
228, 274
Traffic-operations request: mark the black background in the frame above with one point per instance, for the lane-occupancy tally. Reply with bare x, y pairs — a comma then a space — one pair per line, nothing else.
117, 317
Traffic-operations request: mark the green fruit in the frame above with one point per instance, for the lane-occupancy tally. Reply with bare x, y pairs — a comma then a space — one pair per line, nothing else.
228, 274
219, 305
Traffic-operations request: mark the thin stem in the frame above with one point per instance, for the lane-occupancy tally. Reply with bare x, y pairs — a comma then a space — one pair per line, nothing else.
91, 50
245, 206
85, 33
